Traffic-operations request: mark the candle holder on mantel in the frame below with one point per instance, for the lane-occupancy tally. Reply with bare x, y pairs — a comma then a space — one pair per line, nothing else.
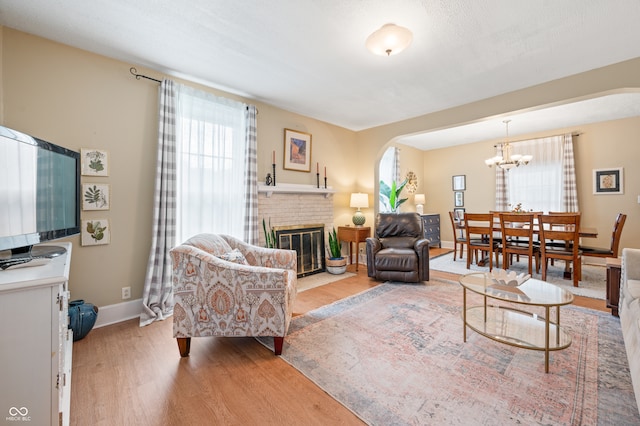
274, 174
325, 182
318, 180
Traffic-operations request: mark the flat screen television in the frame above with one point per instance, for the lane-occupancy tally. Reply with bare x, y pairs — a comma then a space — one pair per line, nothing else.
39, 196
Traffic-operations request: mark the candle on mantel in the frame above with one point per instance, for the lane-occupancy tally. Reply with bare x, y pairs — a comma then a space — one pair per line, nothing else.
325, 171
318, 168
274, 157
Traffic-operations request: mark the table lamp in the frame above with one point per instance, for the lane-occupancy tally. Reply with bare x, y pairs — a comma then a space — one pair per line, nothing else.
419, 201
359, 200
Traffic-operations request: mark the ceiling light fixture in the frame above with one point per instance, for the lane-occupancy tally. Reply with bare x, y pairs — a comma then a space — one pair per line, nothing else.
508, 160
389, 40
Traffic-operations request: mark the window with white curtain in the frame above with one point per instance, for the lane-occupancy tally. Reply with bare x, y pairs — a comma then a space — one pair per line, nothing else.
538, 186
210, 164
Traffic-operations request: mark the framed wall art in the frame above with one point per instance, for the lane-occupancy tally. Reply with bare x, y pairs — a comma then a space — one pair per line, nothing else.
459, 183
297, 151
94, 162
458, 214
608, 181
95, 232
458, 199
95, 196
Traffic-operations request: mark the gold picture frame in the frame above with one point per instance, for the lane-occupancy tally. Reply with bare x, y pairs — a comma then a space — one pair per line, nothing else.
297, 151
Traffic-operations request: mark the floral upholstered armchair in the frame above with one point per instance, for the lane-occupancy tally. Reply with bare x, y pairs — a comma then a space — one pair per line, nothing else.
223, 286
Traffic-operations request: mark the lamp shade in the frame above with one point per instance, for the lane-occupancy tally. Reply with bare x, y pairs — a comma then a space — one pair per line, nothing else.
359, 200
389, 40
418, 199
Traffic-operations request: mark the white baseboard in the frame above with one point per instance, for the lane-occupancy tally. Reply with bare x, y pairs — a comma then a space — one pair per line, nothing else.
112, 314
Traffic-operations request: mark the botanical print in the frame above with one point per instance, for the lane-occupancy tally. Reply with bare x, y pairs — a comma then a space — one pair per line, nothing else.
608, 181
95, 197
95, 232
94, 162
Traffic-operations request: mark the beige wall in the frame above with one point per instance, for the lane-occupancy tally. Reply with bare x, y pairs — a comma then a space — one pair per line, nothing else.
78, 99
81, 100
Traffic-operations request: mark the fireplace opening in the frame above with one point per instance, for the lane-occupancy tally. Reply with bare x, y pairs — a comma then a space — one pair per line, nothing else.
308, 242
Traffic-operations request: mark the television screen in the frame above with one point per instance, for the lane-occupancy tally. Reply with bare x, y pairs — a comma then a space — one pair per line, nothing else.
39, 192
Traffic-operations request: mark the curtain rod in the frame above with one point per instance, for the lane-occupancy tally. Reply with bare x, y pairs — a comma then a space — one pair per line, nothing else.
542, 137
134, 72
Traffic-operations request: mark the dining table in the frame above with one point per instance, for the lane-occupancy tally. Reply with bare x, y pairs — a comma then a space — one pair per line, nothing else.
585, 232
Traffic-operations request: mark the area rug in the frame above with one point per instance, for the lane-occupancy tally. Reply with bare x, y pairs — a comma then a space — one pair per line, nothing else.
319, 279
593, 283
394, 355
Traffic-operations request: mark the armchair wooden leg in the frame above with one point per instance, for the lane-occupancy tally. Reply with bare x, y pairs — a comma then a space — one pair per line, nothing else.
277, 344
184, 345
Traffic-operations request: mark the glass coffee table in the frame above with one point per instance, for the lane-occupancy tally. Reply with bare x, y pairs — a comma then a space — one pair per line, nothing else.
511, 325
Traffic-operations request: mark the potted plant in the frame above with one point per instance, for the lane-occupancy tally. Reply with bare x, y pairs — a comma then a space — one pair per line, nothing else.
390, 195
336, 264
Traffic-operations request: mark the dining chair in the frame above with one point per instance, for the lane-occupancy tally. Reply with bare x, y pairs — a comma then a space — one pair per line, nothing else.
557, 228
479, 237
611, 251
517, 231
458, 235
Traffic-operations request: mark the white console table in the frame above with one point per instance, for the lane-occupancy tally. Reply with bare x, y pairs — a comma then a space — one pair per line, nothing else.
36, 348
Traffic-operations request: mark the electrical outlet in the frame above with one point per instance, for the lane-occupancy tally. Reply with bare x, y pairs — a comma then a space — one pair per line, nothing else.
126, 293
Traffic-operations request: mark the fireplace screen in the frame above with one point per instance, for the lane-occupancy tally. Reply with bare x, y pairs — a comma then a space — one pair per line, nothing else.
308, 242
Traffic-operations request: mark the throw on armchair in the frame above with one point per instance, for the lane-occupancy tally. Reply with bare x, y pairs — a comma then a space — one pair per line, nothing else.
223, 286
398, 251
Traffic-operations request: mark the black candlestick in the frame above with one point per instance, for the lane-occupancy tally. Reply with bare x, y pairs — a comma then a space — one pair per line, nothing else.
318, 180
274, 174
325, 182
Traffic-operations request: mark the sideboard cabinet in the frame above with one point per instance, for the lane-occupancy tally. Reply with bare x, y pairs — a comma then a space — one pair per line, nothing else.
36, 344
431, 228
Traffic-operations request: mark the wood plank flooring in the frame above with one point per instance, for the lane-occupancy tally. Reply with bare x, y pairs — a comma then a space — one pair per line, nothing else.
127, 375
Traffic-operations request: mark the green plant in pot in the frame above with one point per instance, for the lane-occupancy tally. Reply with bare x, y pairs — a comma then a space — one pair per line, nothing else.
390, 195
336, 263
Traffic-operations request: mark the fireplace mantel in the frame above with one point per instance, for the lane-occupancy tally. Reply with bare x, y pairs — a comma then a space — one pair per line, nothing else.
294, 188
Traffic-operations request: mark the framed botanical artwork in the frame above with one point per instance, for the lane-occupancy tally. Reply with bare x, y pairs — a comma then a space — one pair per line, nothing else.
95, 232
458, 199
458, 214
94, 162
459, 182
297, 150
608, 181
95, 196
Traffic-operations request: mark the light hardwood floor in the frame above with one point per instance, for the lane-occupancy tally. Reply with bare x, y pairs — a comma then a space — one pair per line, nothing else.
127, 375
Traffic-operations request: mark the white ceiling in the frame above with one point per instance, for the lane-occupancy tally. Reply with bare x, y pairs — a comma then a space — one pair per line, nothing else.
308, 56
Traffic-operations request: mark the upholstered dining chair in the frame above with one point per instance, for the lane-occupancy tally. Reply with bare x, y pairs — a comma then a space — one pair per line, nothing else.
555, 229
479, 231
223, 286
398, 251
517, 238
613, 249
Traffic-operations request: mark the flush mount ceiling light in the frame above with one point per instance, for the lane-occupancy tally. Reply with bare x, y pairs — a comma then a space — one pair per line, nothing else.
389, 40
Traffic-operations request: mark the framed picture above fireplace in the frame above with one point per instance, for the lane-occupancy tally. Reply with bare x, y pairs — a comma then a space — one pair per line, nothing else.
297, 150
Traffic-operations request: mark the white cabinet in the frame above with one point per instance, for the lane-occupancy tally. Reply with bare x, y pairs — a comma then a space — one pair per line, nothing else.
35, 343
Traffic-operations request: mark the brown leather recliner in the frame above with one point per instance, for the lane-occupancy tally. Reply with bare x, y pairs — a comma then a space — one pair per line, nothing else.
398, 251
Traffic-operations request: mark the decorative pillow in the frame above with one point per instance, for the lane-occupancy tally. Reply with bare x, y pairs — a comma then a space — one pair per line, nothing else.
234, 256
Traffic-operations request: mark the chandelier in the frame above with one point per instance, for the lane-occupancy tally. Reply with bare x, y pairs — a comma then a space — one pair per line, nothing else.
508, 160
389, 40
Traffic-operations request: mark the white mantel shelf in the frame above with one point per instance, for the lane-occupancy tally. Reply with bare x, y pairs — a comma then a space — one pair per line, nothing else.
294, 188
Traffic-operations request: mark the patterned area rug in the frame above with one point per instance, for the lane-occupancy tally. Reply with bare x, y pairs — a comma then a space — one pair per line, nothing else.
593, 283
394, 355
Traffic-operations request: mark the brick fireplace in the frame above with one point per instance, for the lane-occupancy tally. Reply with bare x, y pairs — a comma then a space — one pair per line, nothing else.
298, 207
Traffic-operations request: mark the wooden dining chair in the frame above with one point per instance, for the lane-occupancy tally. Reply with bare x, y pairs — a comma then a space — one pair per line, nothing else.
479, 234
458, 235
556, 228
611, 251
517, 231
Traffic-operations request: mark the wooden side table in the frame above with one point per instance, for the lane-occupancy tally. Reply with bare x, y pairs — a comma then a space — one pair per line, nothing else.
614, 271
353, 234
